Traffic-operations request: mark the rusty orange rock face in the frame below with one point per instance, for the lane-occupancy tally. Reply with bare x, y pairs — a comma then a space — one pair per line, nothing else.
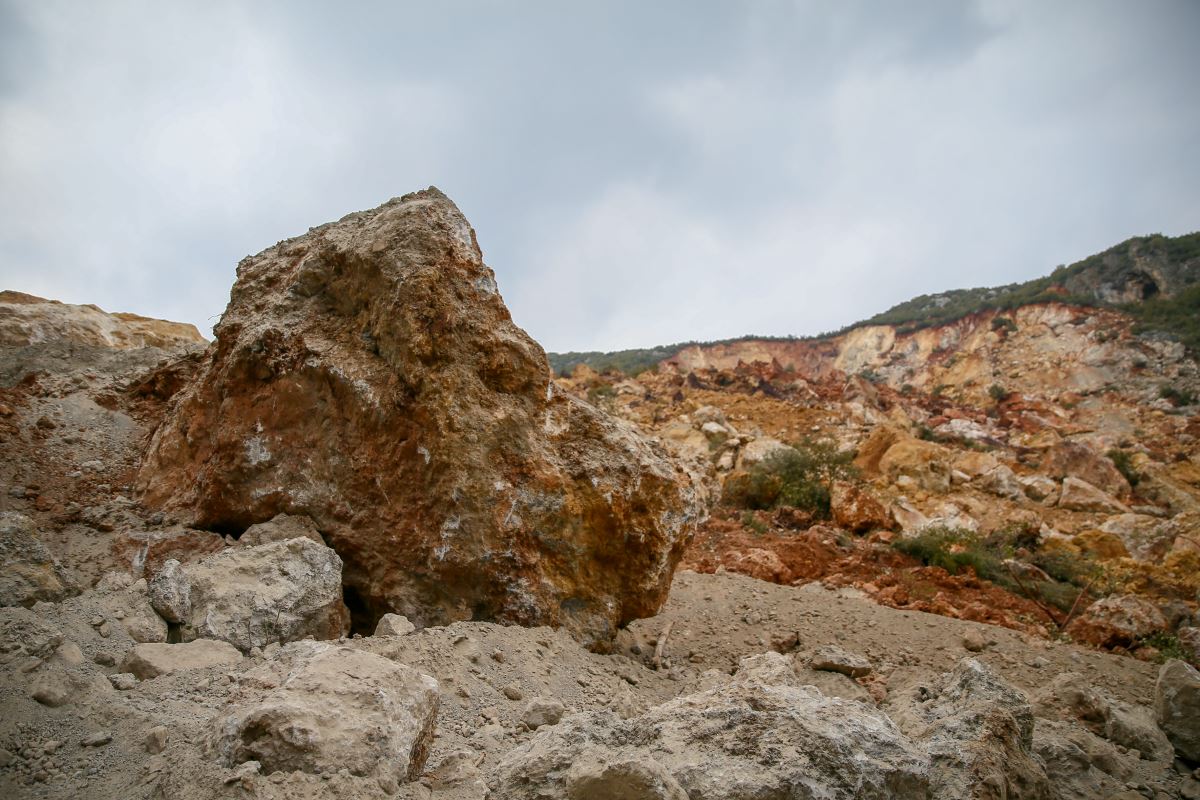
368, 374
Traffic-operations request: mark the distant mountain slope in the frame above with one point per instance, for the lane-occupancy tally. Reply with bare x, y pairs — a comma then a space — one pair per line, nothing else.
1155, 279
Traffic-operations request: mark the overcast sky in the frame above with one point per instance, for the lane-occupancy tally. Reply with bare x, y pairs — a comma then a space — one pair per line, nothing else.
637, 172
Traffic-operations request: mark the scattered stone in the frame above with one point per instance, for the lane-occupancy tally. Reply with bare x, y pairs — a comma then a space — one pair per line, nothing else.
394, 625
157, 738
333, 707
542, 711
148, 661
974, 641
123, 681
171, 592
832, 658
98, 739
1076, 461
513, 692
52, 688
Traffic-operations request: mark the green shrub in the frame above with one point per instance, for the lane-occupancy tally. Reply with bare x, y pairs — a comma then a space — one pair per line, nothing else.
600, 393
1004, 324
956, 549
998, 393
753, 523
1168, 647
799, 476
1176, 397
1124, 464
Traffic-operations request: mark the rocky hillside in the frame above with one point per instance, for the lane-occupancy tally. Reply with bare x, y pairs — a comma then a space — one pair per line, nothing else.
1155, 280
364, 545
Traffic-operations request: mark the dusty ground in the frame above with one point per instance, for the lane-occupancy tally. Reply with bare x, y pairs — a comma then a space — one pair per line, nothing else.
489, 673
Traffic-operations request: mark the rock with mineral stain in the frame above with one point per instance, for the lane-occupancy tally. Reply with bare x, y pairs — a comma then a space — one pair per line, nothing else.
367, 374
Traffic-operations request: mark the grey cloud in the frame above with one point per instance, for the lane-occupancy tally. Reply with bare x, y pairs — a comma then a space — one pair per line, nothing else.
637, 172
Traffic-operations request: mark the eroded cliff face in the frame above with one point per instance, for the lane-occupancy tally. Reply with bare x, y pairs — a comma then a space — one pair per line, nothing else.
368, 374
28, 320
1039, 350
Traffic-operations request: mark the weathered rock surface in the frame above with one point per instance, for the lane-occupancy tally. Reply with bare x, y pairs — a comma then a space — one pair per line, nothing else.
30, 572
1119, 620
1177, 707
368, 375
978, 730
759, 735
148, 661
394, 625
321, 707
280, 528
275, 592
1069, 696
171, 593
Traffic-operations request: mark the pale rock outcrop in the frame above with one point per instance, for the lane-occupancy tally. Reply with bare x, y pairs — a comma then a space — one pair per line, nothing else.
1120, 620
1177, 707
856, 510
757, 735
894, 453
30, 572
322, 707
1145, 538
978, 730
148, 661
275, 592
1079, 495
1072, 459
26, 320
132, 610
367, 374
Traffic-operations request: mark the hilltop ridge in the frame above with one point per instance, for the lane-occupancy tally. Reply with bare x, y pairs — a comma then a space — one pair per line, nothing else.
1153, 278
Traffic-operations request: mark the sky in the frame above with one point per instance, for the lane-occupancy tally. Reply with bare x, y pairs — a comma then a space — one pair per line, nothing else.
637, 173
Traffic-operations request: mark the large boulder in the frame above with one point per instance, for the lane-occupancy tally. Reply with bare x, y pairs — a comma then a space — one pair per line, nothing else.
30, 572
367, 374
1072, 459
1177, 707
1146, 538
319, 707
276, 592
1120, 620
759, 735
